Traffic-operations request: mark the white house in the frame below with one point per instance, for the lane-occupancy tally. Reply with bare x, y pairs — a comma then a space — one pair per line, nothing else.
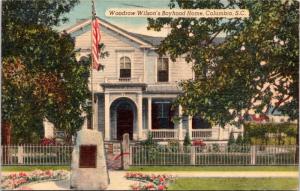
136, 88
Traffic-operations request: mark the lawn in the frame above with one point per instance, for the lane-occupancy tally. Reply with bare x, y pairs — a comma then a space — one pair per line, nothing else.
213, 168
31, 168
234, 184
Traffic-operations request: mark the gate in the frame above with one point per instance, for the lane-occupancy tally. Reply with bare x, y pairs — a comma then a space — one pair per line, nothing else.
113, 154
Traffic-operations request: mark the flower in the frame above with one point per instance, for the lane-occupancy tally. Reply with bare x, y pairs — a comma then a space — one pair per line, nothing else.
281, 42
262, 63
243, 48
161, 187
276, 39
191, 34
178, 26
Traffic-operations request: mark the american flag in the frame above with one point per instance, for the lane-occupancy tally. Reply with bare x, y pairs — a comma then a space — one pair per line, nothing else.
95, 40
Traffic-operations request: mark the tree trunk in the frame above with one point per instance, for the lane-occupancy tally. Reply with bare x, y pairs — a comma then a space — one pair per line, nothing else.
6, 140
6, 132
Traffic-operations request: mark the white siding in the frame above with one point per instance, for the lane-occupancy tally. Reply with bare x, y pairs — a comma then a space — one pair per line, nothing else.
114, 44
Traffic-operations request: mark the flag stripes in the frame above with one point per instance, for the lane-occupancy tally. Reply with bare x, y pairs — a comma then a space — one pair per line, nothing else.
95, 43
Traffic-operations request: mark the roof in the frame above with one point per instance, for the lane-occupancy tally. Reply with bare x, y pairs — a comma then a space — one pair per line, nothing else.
163, 88
149, 40
154, 41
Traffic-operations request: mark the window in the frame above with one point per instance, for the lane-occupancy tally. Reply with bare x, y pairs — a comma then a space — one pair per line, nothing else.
162, 115
162, 69
199, 123
125, 67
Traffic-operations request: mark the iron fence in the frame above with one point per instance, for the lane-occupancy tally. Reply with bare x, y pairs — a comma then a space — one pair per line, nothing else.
213, 155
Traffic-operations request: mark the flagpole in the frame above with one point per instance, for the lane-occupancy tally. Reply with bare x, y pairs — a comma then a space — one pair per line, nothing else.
92, 86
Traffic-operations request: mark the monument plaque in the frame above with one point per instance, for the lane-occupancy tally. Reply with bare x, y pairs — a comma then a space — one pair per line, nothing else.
87, 156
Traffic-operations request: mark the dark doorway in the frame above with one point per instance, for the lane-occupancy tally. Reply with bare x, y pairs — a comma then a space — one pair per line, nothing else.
124, 122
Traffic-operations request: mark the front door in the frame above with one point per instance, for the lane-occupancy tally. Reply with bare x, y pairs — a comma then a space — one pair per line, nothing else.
124, 123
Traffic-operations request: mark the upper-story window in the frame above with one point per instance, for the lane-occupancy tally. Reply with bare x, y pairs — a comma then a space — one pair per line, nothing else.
162, 69
125, 67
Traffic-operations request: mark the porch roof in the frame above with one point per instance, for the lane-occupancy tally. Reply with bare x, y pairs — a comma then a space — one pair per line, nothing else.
163, 88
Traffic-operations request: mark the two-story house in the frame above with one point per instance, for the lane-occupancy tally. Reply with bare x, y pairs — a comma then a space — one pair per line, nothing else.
134, 92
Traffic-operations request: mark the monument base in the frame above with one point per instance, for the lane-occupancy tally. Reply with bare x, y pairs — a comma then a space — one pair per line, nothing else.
88, 169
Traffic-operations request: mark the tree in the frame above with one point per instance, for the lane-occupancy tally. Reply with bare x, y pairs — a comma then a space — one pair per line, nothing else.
41, 77
187, 140
253, 68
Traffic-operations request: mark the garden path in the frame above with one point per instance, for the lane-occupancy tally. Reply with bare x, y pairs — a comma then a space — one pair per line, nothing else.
119, 182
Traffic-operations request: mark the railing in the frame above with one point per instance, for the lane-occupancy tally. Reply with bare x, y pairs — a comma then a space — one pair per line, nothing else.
164, 133
45, 154
201, 133
122, 80
213, 155
36, 155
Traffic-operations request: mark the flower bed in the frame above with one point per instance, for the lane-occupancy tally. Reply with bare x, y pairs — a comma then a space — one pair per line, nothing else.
149, 182
15, 180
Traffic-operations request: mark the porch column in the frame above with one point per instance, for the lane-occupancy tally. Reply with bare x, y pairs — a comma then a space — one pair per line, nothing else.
190, 126
149, 114
95, 113
106, 117
140, 116
180, 136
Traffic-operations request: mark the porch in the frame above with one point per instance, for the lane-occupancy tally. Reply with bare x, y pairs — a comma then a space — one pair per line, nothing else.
138, 115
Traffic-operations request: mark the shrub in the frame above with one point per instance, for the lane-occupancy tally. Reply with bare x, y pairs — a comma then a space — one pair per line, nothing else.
149, 141
215, 147
231, 140
257, 132
47, 141
187, 140
239, 140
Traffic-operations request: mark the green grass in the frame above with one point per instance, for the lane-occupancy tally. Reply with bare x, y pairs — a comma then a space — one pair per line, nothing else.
31, 168
234, 184
213, 168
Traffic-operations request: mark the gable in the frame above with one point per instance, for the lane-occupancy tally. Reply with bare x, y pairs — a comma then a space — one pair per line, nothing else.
84, 26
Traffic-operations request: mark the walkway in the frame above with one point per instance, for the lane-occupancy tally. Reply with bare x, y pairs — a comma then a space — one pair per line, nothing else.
237, 174
119, 182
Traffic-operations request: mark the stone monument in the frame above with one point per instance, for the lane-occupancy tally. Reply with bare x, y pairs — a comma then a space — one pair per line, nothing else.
88, 168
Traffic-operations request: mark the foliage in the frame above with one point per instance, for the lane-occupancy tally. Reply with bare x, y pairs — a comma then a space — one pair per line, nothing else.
187, 140
270, 133
231, 139
45, 12
246, 139
173, 143
149, 141
216, 147
239, 139
47, 141
41, 77
253, 67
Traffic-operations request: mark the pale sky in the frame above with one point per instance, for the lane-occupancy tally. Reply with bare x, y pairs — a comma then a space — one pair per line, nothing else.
138, 25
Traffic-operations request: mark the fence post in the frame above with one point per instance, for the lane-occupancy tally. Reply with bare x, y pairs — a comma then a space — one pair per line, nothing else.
20, 154
253, 154
193, 155
125, 151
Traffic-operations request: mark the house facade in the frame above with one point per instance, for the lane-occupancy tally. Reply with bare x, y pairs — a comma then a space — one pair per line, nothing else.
135, 91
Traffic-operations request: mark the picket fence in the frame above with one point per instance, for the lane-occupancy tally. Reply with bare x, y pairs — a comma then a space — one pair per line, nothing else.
213, 155
159, 155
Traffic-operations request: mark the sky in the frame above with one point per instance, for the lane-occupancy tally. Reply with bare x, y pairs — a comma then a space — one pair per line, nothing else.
138, 25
